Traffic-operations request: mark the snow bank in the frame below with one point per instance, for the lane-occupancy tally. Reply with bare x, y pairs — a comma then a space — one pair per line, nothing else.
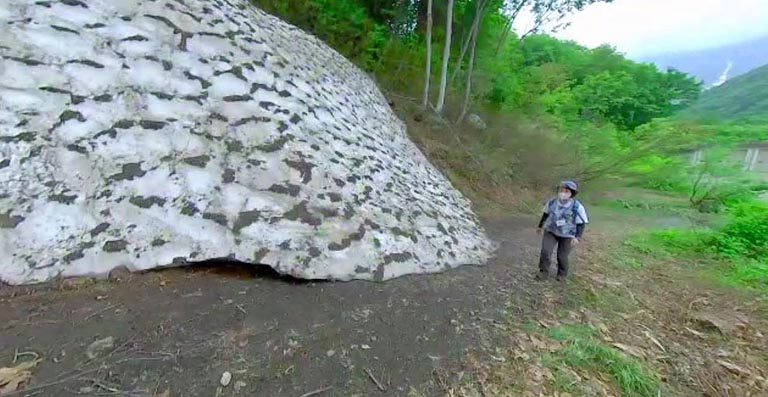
154, 133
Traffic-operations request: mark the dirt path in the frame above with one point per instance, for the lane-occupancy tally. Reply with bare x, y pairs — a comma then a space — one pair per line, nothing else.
179, 330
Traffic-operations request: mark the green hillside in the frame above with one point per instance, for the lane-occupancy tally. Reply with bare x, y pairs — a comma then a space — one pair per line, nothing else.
744, 97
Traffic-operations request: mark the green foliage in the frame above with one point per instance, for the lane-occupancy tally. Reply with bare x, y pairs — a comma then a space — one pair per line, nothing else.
738, 251
742, 97
660, 172
602, 85
344, 24
752, 273
606, 115
668, 242
746, 235
583, 350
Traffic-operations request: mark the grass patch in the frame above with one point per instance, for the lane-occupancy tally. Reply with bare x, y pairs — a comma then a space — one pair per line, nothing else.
703, 247
667, 242
582, 350
750, 273
629, 262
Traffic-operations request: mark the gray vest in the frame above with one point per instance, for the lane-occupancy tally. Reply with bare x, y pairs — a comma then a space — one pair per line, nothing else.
562, 220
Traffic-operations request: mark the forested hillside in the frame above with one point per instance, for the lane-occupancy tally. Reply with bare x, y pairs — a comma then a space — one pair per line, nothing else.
586, 101
536, 73
744, 97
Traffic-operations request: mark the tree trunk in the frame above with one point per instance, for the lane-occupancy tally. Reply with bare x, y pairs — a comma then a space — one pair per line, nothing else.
446, 58
428, 71
464, 47
508, 26
481, 9
503, 36
473, 46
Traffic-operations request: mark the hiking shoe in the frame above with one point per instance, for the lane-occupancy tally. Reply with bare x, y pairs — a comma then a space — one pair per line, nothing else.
542, 276
560, 278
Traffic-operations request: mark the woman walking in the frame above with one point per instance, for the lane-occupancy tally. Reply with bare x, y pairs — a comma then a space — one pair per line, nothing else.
562, 225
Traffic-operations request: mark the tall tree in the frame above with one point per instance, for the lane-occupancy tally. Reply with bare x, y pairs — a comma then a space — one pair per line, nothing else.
446, 58
428, 71
473, 46
480, 7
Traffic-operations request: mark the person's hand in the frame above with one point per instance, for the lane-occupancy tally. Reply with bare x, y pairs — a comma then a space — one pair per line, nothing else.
539, 231
576, 241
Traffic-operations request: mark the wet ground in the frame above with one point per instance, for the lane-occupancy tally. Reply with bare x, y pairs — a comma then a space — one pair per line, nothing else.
174, 332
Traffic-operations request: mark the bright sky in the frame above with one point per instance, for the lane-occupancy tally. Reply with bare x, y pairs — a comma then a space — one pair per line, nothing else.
642, 27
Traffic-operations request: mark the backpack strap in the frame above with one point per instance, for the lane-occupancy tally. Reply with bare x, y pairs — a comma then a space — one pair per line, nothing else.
550, 202
575, 209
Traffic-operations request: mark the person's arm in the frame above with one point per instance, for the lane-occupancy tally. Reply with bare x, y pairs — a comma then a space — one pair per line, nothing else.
580, 229
581, 222
543, 219
544, 215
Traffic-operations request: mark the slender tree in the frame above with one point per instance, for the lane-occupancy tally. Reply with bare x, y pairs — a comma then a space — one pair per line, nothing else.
480, 9
473, 46
428, 71
446, 58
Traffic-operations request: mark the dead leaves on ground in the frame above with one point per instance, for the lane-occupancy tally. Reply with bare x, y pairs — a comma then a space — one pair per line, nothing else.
12, 378
631, 350
166, 393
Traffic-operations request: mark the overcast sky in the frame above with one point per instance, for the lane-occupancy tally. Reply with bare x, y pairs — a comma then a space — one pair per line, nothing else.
643, 27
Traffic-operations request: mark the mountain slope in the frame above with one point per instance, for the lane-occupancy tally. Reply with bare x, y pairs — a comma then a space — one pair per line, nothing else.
715, 65
744, 96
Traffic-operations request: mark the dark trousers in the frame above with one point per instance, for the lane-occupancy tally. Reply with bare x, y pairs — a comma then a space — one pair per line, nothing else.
548, 243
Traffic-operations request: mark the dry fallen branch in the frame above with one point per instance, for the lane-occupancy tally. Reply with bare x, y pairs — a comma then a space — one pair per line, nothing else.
734, 368
696, 333
655, 341
94, 314
632, 350
376, 381
316, 392
99, 384
17, 354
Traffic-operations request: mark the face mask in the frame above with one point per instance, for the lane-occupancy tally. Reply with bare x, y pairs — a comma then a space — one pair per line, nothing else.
564, 196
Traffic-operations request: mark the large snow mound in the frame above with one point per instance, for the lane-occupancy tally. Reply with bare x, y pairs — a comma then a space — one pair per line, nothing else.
155, 133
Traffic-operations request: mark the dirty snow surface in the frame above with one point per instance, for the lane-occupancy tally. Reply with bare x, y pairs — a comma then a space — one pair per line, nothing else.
155, 133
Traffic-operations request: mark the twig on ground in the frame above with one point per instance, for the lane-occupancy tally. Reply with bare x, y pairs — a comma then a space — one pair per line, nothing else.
316, 392
101, 385
695, 301
241, 308
51, 383
697, 333
655, 341
634, 298
132, 359
39, 322
94, 314
17, 354
376, 381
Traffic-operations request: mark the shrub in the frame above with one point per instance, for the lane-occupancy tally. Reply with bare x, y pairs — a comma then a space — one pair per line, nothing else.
746, 234
750, 272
